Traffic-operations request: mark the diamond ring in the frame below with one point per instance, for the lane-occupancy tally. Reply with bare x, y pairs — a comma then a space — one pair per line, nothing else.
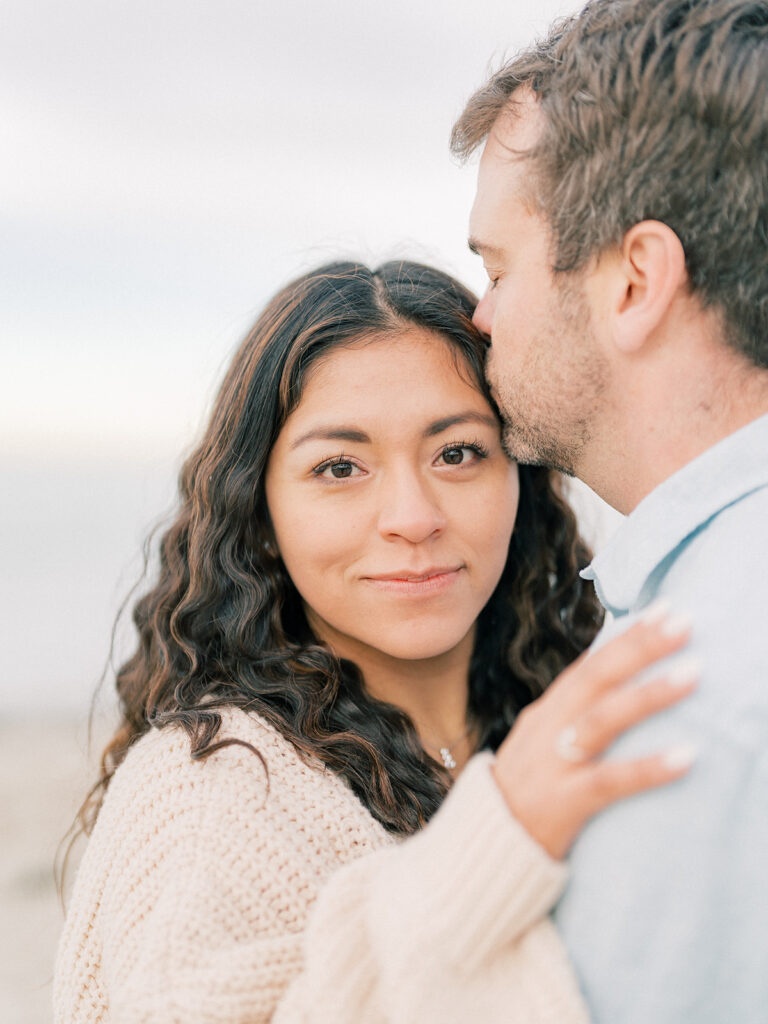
567, 748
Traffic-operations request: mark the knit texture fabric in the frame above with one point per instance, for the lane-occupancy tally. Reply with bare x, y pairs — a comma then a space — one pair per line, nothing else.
192, 902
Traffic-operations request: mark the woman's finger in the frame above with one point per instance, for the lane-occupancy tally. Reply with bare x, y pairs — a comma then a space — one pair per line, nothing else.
612, 715
652, 638
605, 782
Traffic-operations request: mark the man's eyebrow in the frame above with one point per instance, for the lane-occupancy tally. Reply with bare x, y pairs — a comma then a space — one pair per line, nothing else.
483, 249
332, 434
465, 417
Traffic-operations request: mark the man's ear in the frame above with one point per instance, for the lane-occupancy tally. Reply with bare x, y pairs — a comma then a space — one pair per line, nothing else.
652, 270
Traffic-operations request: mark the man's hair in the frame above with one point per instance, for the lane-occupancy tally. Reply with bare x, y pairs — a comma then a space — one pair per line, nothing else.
653, 109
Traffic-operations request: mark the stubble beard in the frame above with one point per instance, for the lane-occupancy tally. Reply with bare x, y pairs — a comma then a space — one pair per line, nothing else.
549, 407
526, 444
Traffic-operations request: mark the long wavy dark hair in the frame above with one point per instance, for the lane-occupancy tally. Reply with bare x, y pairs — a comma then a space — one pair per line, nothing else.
223, 626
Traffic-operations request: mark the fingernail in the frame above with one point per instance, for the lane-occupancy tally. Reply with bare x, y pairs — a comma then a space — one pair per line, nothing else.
655, 611
684, 671
682, 756
676, 625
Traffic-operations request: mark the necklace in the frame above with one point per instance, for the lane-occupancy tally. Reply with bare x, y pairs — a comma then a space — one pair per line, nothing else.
449, 760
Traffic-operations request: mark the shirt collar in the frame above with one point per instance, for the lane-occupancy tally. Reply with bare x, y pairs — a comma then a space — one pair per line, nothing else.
678, 507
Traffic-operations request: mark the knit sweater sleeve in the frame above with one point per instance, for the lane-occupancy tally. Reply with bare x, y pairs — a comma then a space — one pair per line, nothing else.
191, 902
450, 926
202, 914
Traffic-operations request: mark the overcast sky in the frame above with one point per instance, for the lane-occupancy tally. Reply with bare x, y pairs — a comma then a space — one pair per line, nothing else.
165, 167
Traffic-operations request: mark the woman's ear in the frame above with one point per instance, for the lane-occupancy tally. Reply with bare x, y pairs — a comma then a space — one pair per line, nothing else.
267, 539
651, 272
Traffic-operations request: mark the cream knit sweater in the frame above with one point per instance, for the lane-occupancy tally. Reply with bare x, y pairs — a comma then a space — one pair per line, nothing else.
192, 902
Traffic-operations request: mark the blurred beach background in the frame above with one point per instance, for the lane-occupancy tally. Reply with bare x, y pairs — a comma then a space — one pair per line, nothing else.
166, 166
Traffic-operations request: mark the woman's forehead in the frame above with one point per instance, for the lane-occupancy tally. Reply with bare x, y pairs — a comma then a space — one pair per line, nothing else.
413, 371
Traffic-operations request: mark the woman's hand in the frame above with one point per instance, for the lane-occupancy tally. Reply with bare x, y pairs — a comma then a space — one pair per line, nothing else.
549, 768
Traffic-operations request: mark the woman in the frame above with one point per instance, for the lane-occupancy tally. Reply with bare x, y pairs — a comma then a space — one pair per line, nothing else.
359, 593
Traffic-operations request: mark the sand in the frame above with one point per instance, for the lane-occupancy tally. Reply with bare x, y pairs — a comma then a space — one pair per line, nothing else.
44, 773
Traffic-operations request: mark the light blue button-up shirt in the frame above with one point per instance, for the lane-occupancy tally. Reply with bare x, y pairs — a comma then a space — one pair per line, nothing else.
666, 914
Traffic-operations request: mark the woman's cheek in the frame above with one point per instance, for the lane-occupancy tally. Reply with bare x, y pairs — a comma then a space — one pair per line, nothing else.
315, 542
496, 520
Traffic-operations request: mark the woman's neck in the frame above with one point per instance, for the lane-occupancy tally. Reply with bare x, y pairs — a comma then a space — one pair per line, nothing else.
433, 692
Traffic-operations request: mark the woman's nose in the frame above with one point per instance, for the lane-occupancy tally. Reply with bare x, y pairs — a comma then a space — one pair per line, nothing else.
482, 318
410, 511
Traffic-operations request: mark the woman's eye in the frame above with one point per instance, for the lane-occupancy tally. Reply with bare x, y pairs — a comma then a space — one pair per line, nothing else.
462, 454
454, 456
338, 469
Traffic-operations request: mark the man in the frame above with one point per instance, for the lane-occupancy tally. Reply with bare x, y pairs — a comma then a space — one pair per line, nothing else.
622, 217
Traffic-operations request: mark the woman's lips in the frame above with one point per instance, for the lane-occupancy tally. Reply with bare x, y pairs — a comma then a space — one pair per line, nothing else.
408, 583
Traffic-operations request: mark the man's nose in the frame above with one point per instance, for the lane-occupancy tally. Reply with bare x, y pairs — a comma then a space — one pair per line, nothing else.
411, 511
482, 318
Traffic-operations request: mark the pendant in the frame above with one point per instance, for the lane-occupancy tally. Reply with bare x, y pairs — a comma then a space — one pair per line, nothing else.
448, 761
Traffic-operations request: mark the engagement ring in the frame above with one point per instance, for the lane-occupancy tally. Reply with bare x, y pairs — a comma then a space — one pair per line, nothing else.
566, 747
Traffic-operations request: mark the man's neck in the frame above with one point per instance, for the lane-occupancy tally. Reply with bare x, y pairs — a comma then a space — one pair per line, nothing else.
663, 429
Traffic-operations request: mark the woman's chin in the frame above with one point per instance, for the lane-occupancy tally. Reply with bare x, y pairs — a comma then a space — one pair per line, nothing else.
422, 648
411, 639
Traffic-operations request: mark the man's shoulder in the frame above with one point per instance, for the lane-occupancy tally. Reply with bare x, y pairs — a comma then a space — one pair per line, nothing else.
725, 559
718, 577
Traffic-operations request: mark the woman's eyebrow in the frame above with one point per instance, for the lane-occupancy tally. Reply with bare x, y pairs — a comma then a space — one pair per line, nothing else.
360, 437
465, 417
332, 434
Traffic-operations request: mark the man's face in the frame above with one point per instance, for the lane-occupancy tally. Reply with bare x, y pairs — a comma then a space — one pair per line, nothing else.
546, 369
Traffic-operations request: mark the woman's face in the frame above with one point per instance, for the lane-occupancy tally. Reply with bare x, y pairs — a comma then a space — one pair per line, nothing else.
391, 498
